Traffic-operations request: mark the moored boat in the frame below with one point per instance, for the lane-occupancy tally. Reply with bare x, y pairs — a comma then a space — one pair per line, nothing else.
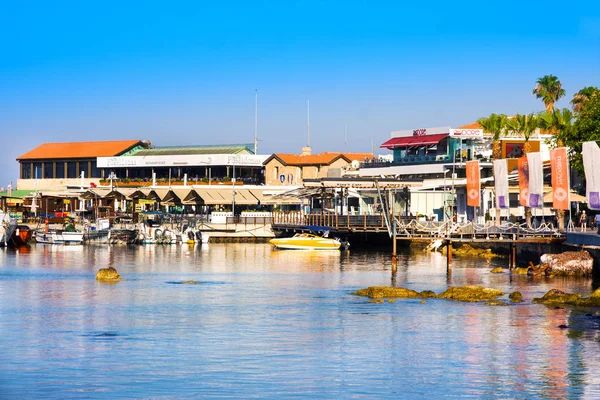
7, 228
21, 236
58, 237
306, 241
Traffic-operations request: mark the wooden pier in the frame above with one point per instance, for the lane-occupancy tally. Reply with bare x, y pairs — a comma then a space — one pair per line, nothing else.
392, 230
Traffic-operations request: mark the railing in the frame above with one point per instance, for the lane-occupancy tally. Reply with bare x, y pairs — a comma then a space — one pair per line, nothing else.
411, 228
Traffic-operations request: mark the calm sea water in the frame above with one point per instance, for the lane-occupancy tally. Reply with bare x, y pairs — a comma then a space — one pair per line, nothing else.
263, 323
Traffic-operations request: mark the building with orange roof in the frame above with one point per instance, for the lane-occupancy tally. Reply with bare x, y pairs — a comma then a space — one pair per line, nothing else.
53, 164
292, 169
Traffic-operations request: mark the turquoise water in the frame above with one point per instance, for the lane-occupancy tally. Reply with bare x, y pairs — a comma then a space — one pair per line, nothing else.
262, 323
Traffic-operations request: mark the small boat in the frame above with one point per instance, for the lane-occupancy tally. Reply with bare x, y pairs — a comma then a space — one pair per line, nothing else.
307, 241
58, 237
7, 227
21, 236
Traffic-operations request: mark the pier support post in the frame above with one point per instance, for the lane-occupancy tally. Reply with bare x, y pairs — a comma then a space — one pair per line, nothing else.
514, 254
394, 244
449, 253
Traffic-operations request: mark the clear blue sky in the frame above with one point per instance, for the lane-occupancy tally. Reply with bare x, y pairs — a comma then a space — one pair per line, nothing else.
183, 72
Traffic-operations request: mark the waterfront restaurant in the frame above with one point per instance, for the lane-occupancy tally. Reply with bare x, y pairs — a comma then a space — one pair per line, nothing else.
60, 166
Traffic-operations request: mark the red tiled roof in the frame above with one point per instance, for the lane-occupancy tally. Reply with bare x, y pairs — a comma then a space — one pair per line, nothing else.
79, 149
474, 125
407, 141
319, 159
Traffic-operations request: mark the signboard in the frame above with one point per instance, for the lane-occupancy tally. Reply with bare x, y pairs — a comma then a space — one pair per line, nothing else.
421, 132
466, 133
240, 160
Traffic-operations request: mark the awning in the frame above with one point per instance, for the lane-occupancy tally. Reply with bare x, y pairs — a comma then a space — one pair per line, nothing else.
182, 196
408, 141
94, 193
158, 194
211, 197
225, 196
574, 197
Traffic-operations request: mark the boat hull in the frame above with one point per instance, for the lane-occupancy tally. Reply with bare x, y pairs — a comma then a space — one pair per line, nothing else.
59, 237
306, 242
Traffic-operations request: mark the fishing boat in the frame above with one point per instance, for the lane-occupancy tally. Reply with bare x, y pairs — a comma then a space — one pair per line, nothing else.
58, 237
21, 236
7, 228
307, 241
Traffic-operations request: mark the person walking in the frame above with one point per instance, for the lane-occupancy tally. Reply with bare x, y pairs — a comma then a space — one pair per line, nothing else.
583, 221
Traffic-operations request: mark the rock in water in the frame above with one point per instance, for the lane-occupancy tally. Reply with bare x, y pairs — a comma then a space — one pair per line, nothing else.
471, 293
108, 275
569, 263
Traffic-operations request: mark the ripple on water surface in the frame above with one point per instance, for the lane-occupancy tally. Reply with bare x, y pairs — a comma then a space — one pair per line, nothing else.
244, 320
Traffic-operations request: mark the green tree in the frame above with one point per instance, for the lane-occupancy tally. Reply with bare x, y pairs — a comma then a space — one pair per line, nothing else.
582, 96
495, 125
586, 128
559, 123
523, 125
549, 89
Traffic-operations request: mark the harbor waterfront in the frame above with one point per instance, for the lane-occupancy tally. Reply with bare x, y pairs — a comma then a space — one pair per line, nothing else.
247, 320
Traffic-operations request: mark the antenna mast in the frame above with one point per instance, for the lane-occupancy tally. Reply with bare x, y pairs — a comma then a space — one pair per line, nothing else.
256, 122
308, 120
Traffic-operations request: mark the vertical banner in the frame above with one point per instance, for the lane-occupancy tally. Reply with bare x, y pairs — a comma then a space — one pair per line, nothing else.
523, 169
473, 183
559, 164
536, 180
591, 166
501, 182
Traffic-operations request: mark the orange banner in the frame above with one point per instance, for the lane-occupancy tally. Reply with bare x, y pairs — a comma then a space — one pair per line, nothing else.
523, 168
559, 164
473, 184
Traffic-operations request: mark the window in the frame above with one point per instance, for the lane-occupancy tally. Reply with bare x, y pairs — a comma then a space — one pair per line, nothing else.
37, 170
25, 171
48, 170
95, 172
276, 173
83, 167
60, 170
71, 169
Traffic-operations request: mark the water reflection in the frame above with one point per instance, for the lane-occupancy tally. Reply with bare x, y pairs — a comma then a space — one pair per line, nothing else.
279, 324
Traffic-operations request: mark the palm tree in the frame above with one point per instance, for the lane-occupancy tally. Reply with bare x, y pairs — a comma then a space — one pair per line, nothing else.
550, 90
582, 96
495, 125
524, 125
560, 124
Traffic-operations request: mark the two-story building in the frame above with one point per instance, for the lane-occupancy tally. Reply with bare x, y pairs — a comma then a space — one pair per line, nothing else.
293, 169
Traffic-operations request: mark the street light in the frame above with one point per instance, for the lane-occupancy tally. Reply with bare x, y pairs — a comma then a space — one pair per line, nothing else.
445, 194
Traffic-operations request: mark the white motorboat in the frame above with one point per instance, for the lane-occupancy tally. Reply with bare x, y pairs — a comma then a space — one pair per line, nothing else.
58, 237
307, 241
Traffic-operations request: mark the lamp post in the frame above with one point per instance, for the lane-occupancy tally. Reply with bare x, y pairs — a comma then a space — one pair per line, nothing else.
445, 194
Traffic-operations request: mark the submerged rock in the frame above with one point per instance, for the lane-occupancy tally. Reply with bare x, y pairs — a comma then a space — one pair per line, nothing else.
470, 293
108, 275
521, 270
516, 297
569, 263
464, 293
467, 250
497, 270
556, 296
378, 292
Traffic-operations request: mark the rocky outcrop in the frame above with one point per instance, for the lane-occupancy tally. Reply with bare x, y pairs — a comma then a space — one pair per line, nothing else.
516, 297
470, 293
461, 293
569, 263
108, 275
557, 297
467, 250
497, 270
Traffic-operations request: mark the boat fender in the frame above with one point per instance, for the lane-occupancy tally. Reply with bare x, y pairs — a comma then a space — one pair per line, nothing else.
199, 236
190, 235
157, 233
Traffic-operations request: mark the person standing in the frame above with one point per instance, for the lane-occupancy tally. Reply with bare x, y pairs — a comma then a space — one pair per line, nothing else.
583, 221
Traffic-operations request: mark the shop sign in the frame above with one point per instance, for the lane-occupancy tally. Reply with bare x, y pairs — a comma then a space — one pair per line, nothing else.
466, 133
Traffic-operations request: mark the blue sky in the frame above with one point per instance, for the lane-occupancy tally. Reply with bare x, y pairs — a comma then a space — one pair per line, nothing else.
182, 72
